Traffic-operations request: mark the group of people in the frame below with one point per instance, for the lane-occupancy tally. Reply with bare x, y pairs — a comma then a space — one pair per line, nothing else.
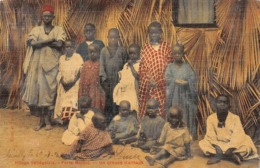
147, 96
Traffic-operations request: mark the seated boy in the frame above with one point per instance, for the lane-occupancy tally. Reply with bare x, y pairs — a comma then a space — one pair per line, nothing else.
151, 126
225, 136
124, 126
78, 121
94, 142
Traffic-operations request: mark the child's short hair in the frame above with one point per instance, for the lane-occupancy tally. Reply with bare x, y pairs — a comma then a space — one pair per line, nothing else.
114, 30
98, 114
157, 104
73, 42
96, 46
180, 46
222, 95
135, 46
155, 24
179, 111
125, 101
84, 102
91, 25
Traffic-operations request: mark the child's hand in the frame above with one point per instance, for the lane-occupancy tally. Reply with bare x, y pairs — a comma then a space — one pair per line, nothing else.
181, 82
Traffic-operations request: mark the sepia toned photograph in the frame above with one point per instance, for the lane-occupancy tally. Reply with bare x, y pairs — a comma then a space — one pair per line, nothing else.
130, 83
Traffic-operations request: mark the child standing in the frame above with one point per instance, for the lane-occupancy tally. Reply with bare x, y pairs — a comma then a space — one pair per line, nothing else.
151, 126
127, 88
89, 32
68, 83
124, 127
112, 59
175, 139
155, 57
78, 121
89, 79
94, 142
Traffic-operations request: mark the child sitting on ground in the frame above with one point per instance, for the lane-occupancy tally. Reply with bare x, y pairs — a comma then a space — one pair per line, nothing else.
78, 121
175, 140
151, 126
124, 126
127, 88
94, 142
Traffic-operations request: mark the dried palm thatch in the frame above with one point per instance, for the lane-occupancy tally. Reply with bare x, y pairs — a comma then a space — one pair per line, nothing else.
226, 60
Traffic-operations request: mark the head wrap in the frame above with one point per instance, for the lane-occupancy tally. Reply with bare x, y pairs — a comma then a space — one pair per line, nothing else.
47, 7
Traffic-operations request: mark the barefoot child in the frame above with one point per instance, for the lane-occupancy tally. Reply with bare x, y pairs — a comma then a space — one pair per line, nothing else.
68, 83
225, 136
124, 126
155, 57
175, 139
151, 126
78, 121
127, 88
94, 142
112, 58
90, 81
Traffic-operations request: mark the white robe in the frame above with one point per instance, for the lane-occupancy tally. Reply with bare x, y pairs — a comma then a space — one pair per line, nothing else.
126, 88
76, 125
230, 136
68, 69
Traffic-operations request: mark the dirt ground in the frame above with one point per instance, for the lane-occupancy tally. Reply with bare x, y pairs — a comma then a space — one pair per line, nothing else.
21, 146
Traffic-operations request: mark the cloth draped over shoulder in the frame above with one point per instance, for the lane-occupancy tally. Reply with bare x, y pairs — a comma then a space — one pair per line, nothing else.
127, 88
183, 96
68, 70
230, 136
95, 143
152, 67
41, 68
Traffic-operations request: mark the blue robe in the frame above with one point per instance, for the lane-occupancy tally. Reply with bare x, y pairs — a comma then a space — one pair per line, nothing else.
183, 96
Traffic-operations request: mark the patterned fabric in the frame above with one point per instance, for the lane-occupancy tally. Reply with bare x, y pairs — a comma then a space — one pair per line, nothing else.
153, 65
67, 113
90, 84
92, 143
174, 140
41, 68
83, 48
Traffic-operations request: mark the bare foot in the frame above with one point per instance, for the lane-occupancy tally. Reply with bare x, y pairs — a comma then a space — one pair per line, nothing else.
39, 127
150, 160
48, 127
65, 156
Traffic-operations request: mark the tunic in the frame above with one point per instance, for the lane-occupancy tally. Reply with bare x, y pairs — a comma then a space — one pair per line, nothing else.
127, 88
183, 96
109, 68
152, 128
41, 68
68, 70
174, 140
124, 127
230, 136
90, 84
83, 49
76, 125
95, 143
153, 65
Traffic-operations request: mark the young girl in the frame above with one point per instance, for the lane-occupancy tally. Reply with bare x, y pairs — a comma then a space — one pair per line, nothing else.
175, 139
112, 59
68, 83
90, 81
155, 57
127, 88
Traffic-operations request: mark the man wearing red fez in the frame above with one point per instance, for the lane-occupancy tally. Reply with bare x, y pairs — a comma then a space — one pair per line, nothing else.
41, 66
